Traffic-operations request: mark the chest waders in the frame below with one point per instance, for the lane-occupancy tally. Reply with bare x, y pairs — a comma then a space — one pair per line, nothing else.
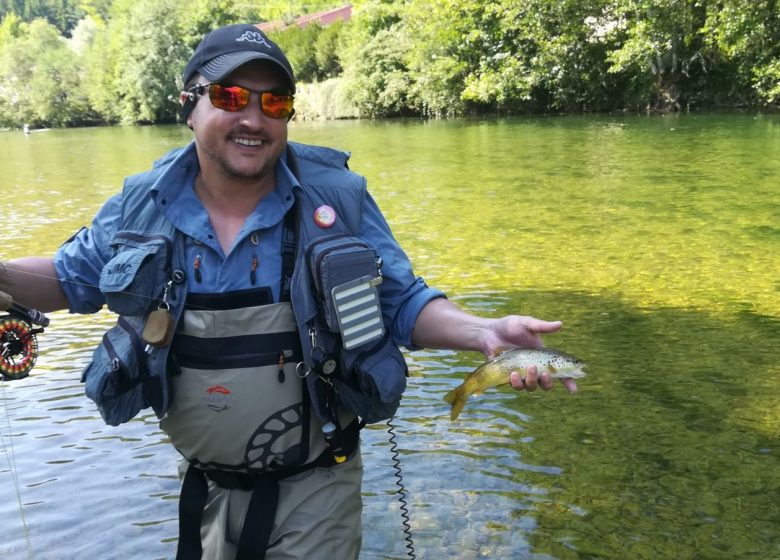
241, 415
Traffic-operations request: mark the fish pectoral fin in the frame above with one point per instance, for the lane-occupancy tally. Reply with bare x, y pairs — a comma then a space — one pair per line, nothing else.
500, 350
551, 368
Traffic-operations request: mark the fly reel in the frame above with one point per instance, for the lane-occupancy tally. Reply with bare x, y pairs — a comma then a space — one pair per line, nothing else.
18, 338
18, 347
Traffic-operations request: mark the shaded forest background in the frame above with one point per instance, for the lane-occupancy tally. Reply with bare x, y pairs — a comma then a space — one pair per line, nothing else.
85, 62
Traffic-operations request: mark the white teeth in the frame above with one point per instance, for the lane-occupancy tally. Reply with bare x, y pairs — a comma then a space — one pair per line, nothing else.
247, 142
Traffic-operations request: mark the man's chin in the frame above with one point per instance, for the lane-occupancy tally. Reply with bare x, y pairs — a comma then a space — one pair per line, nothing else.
247, 173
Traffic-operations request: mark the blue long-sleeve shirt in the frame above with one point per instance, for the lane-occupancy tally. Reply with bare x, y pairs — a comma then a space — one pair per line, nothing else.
79, 262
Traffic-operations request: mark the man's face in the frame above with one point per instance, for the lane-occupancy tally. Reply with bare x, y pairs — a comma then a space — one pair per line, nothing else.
245, 144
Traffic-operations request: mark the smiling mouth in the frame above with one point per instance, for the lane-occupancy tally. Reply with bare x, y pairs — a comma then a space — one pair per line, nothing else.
248, 142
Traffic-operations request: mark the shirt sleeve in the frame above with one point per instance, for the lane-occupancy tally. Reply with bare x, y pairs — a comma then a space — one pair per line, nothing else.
80, 260
402, 294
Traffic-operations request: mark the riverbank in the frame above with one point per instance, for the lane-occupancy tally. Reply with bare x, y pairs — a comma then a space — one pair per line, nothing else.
328, 99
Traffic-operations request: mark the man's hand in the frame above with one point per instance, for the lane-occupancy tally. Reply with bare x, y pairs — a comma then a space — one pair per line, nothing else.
522, 331
515, 331
442, 324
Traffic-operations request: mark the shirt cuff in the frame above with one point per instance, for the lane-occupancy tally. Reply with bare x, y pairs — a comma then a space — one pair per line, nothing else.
406, 318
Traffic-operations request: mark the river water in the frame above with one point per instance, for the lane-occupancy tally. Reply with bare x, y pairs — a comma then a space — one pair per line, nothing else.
655, 239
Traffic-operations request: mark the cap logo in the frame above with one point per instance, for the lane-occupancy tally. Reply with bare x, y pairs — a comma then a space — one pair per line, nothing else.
254, 37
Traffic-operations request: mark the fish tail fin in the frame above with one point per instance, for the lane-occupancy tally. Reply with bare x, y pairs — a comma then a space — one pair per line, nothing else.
457, 399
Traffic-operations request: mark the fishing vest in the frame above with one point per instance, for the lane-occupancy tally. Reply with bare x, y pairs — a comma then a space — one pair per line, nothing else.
245, 421
127, 375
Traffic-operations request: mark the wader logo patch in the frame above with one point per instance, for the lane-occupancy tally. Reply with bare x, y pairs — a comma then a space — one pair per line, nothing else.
218, 398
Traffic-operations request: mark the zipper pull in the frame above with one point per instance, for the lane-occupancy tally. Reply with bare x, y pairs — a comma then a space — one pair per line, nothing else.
252, 274
280, 375
196, 266
313, 336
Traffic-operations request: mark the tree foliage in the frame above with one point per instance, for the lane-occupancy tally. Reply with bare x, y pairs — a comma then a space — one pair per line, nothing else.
76, 62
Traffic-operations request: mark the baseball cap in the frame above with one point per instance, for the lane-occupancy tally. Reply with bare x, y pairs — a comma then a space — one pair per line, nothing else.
223, 50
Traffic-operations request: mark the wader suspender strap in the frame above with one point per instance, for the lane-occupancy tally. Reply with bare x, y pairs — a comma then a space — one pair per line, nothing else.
289, 234
288, 252
260, 514
192, 501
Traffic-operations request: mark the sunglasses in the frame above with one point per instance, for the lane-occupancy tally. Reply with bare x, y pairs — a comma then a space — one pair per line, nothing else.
236, 98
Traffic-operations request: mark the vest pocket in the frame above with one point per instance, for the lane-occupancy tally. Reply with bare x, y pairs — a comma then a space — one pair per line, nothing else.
336, 260
115, 377
137, 272
372, 381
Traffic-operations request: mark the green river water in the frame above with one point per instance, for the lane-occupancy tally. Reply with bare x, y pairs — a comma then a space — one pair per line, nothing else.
655, 239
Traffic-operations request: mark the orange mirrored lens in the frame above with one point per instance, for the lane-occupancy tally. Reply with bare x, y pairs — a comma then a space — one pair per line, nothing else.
235, 98
228, 98
276, 106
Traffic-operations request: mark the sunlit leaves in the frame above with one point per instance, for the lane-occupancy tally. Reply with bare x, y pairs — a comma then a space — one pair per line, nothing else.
40, 78
432, 58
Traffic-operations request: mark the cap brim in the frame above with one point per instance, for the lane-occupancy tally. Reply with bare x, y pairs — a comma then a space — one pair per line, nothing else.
220, 67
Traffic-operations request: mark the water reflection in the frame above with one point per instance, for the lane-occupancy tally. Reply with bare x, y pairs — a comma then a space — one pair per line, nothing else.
655, 240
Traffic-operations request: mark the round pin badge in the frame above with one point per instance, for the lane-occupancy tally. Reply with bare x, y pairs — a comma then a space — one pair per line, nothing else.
325, 216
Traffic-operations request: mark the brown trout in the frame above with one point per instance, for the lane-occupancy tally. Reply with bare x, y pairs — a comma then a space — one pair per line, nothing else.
496, 372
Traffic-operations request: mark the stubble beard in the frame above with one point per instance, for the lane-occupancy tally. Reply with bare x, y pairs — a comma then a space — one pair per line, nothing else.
244, 173
239, 174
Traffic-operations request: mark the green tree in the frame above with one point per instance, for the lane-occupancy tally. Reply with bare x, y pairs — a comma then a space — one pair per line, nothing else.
98, 10
10, 28
326, 50
373, 52
747, 37
660, 43
202, 16
151, 59
40, 79
298, 45
63, 14
102, 73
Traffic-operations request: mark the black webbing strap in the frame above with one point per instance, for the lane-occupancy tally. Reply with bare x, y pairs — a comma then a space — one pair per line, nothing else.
260, 514
289, 234
194, 492
259, 519
288, 252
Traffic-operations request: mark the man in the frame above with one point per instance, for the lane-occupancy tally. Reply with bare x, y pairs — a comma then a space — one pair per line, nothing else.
225, 264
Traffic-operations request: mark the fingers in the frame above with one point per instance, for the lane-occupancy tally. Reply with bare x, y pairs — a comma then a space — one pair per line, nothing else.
541, 326
570, 384
531, 381
545, 381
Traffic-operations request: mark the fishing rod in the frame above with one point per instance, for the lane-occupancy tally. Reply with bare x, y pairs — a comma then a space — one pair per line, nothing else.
18, 353
18, 337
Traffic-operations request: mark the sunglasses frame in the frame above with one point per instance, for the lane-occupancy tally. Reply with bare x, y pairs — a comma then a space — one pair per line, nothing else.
198, 90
